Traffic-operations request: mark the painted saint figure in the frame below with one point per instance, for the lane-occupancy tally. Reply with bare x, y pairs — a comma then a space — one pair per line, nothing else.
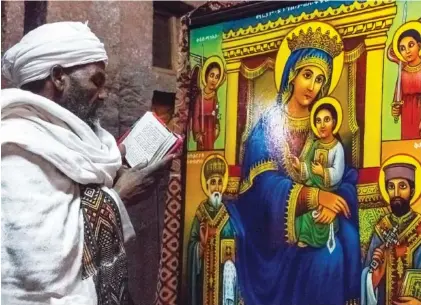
324, 168
206, 126
392, 269
406, 48
272, 194
212, 273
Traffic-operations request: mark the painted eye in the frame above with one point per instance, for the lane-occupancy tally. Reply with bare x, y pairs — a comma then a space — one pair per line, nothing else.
319, 79
318, 121
402, 186
391, 186
327, 119
411, 44
402, 48
307, 75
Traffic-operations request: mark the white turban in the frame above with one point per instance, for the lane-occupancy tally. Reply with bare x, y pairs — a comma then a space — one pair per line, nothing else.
62, 43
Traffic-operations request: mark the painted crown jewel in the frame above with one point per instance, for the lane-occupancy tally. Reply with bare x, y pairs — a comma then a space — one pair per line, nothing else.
316, 40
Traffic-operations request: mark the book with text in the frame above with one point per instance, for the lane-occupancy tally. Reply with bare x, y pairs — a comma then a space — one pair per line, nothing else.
149, 139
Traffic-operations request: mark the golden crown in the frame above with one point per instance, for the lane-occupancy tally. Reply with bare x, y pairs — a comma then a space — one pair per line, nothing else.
316, 40
214, 166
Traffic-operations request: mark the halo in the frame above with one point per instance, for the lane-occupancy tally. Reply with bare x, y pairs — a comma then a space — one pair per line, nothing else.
208, 61
327, 100
401, 158
284, 53
410, 25
202, 174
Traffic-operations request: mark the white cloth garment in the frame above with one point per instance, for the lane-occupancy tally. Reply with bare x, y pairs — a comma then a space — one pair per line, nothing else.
62, 43
46, 152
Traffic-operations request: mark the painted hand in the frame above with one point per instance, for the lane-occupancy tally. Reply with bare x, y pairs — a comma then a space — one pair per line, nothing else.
334, 203
396, 110
204, 234
199, 137
317, 169
326, 216
407, 301
378, 255
295, 162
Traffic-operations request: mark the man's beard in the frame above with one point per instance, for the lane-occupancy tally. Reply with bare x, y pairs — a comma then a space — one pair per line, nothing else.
399, 206
77, 101
215, 199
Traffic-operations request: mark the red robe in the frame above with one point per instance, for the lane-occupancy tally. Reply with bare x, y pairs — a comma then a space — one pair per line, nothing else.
208, 126
411, 97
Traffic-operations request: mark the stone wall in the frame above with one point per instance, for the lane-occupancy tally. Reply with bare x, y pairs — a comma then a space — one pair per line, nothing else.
126, 30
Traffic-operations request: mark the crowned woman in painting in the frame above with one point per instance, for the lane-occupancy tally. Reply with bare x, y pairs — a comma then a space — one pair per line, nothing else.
205, 120
272, 268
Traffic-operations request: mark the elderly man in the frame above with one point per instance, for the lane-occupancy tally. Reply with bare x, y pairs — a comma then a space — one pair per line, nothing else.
211, 235
394, 256
64, 189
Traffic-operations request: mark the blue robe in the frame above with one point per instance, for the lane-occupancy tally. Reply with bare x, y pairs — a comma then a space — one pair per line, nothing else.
274, 272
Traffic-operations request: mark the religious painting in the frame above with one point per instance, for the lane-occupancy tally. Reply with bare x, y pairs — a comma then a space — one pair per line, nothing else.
303, 171
207, 92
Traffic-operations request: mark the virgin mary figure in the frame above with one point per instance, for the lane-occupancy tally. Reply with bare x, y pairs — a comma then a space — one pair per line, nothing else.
272, 268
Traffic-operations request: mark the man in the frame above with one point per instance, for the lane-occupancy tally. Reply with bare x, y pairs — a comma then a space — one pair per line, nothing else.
212, 275
64, 189
395, 251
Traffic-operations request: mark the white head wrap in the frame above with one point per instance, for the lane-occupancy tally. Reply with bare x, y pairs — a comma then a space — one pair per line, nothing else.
62, 43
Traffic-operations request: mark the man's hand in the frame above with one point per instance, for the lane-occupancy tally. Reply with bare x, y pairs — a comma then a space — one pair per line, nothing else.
334, 203
317, 168
407, 301
326, 216
138, 181
378, 255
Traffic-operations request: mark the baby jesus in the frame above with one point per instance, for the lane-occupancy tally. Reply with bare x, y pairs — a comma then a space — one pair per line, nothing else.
323, 168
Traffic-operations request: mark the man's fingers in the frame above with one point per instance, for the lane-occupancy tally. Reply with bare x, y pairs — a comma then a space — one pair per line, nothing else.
160, 165
142, 164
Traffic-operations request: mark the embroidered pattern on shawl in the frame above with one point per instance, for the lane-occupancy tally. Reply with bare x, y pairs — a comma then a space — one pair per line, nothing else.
104, 256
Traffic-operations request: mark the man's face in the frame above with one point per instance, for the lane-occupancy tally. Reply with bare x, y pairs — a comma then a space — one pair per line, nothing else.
215, 185
400, 194
85, 92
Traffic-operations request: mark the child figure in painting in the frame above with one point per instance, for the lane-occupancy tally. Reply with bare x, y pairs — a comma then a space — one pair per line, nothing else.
323, 167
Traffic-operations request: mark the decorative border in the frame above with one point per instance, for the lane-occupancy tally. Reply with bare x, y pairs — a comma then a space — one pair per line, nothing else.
330, 12
348, 20
170, 264
290, 217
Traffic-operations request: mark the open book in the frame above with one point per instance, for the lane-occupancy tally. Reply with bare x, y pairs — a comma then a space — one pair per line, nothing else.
149, 139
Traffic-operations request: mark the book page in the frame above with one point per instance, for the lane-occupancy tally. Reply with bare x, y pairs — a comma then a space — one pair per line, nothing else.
146, 140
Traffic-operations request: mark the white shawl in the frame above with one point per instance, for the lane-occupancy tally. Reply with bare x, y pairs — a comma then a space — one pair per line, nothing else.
46, 152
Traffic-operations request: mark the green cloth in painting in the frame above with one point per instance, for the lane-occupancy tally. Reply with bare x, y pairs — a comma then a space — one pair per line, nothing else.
307, 230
